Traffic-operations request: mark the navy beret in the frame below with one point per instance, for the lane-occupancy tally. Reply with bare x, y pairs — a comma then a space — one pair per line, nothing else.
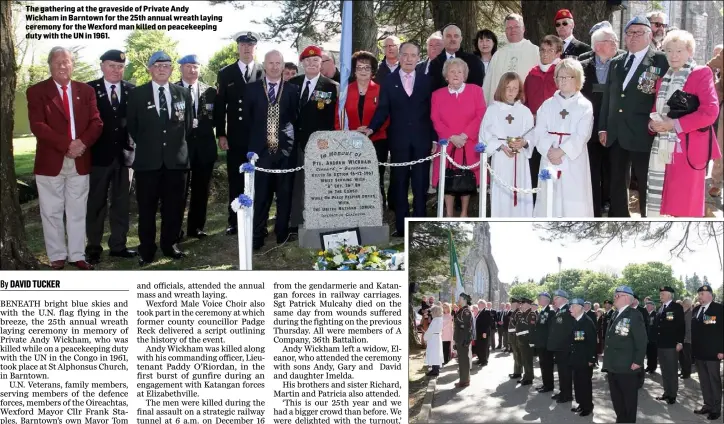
114, 56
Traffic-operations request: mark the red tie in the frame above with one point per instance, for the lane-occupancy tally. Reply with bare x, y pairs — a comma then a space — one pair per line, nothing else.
66, 107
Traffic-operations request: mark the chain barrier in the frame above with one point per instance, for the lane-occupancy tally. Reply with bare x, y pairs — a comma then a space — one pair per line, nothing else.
387, 164
496, 177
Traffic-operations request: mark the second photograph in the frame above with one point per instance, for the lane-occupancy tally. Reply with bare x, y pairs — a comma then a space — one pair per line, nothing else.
575, 322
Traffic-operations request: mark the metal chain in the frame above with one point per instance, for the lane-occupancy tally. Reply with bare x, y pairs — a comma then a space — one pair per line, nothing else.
414, 162
508, 187
475, 165
278, 171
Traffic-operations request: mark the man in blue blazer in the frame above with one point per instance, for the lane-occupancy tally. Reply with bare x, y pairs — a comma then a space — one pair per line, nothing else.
405, 98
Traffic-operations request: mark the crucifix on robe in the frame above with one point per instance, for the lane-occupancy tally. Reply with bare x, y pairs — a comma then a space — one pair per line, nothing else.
564, 113
509, 118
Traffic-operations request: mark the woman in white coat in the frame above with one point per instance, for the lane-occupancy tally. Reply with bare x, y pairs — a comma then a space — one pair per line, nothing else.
433, 338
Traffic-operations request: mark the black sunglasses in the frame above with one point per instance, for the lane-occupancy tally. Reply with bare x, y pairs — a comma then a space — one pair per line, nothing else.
558, 24
658, 24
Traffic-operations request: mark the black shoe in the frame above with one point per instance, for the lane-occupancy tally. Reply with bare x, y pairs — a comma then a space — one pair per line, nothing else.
563, 400
125, 253
579, 408
293, 230
519, 381
684, 377
713, 416
545, 389
433, 373
231, 230
702, 411
144, 262
174, 253
180, 237
585, 413
514, 376
198, 234
671, 401
93, 259
662, 397
256, 245
526, 382
556, 396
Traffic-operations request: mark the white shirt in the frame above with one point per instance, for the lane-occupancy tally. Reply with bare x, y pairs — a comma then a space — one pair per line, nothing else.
567, 41
638, 57
702, 310
427, 66
581, 316
456, 92
312, 85
620, 311
276, 86
194, 93
243, 67
70, 104
449, 55
167, 92
108, 89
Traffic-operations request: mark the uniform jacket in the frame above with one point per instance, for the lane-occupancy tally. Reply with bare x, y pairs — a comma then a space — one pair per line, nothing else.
114, 138
525, 327
671, 327
476, 70
372, 99
229, 104
202, 141
561, 331
644, 316
653, 328
49, 124
625, 112
463, 332
543, 324
575, 49
589, 54
318, 114
707, 334
583, 344
482, 324
591, 315
256, 110
625, 342
159, 145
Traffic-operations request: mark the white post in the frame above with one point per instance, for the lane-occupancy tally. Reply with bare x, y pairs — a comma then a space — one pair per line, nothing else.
243, 245
441, 181
483, 184
249, 190
549, 196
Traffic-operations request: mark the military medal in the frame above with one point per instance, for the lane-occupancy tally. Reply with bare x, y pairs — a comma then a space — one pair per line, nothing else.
320, 104
647, 80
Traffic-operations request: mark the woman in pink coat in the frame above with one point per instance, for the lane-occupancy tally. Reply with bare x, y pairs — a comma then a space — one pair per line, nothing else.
447, 332
680, 153
457, 111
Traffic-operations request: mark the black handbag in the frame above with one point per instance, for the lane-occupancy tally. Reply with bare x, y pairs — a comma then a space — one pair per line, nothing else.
681, 104
711, 141
459, 181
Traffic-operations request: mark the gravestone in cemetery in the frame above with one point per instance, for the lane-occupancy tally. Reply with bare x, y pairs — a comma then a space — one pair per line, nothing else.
341, 189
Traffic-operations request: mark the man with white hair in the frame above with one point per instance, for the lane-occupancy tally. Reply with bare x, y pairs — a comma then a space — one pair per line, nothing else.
483, 323
707, 337
435, 46
583, 357
543, 326
519, 55
564, 27
670, 341
452, 39
391, 48
659, 24
623, 355
64, 133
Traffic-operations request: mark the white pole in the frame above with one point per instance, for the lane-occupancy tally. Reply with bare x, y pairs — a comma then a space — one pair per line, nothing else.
441, 181
549, 197
241, 225
483, 184
249, 189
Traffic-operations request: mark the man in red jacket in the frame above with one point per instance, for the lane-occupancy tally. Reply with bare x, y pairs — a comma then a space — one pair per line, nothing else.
65, 120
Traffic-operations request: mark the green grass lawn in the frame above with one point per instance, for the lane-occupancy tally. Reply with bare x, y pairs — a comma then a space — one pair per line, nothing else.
24, 153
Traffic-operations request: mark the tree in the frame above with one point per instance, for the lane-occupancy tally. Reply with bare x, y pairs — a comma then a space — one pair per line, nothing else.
693, 283
225, 56
539, 15
529, 290
14, 252
364, 26
140, 45
646, 279
598, 287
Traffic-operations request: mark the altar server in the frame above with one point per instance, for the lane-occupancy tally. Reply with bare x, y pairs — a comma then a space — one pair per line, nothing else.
508, 117
563, 127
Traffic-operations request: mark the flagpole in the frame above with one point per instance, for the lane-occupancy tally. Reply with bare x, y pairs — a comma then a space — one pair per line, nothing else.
560, 261
453, 280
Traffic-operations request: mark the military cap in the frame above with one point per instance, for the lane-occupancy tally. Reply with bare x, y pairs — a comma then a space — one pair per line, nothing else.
705, 288
577, 301
159, 56
588, 302
514, 300
599, 26
650, 302
560, 293
623, 289
247, 37
467, 298
563, 14
191, 58
607, 301
310, 51
667, 289
114, 56
636, 297
544, 294
638, 20
526, 300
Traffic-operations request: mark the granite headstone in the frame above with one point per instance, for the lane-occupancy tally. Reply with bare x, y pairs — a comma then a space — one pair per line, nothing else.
342, 188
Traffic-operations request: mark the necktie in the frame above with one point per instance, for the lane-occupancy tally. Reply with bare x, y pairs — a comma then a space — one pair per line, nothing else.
272, 94
408, 84
193, 99
114, 97
701, 314
629, 63
66, 109
305, 94
246, 73
162, 106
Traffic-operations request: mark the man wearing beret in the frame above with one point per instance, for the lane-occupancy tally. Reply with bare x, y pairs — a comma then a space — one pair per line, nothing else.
559, 342
564, 27
231, 129
652, 333
111, 158
625, 109
583, 357
202, 145
160, 119
670, 341
707, 339
512, 325
543, 326
524, 333
316, 113
587, 310
589, 54
623, 355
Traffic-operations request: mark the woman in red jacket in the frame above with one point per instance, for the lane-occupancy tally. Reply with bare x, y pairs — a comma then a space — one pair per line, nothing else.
363, 95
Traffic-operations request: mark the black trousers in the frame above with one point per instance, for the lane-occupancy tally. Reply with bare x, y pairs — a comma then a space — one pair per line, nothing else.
491, 342
197, 186
624, 395
481, 349
164, 187
266, 185
685, 360
402, 177
623, 162
545, 359
583, 386
534, 163
115, 176
651, 357
235, 157
446, 346
382, 149
565, 378
501, 333
600, 175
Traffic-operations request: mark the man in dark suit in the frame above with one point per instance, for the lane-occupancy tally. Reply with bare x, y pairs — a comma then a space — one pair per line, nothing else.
644, 317
452, 37
231, 130
493, 326
670, 341
583, 357
624, 355
651, 349
560, 338
160, 118
317, 108
109, 166
435, 46
483, 323
564, 27
499, 324
202, 145
405, 98
542, 330
625, 109
391, 62
505, 318
588, 311
329, 68
707, 343
272, 107
64, 118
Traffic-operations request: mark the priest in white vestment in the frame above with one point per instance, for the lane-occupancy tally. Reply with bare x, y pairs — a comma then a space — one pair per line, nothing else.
563, 127
519, 55
508, 117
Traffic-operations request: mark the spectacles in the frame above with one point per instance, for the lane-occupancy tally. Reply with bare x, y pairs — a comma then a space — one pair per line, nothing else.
363, 68
635, 33
565, 78
547, 51
558, 24
659, 24
161, 66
